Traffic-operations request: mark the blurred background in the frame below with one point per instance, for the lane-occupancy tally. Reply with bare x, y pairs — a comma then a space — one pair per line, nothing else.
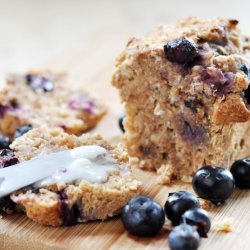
85, 36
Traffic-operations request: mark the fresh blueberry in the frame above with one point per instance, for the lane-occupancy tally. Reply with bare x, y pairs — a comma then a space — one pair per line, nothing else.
215, 184
39, 82
142, 216
22, 130
120, 122
182, 51
241, 173
7, 158
178, 203
184, 237
198, 217
4, 142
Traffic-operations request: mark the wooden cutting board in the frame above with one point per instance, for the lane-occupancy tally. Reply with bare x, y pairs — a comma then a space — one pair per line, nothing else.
18, 232
86, 45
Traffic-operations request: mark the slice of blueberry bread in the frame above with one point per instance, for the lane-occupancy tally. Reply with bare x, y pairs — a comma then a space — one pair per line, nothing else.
186, 95
45, 98
64, 203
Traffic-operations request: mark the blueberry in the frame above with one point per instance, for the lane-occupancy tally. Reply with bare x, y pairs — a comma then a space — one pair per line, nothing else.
199, 218
69, 215
6, 204
4, 142
184, 237
120, 122
142, 216
7, 158
245, 70
22, 130
39, 82
178, 203
9, 106
241, 173
181, 50
215, 184
219, 82
247, 94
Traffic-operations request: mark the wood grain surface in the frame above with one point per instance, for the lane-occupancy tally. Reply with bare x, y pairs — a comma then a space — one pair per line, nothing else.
84, 37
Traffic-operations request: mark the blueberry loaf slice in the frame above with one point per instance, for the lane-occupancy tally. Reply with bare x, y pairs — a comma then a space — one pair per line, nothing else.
45, 98
186, 95
76, 193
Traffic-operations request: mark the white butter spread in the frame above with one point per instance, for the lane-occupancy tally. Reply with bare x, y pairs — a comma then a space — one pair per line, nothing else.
90, 163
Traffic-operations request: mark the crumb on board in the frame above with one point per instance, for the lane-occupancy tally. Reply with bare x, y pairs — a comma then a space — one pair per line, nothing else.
206, 204
224, 225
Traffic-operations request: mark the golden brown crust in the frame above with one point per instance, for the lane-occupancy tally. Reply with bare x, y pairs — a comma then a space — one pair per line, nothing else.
231, 110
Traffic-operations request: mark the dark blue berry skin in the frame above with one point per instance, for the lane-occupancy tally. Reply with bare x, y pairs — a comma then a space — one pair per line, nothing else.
198, 217
245, 70
142, 216
69, 215
120, 122
184, 237
4, 142
178, 203
215, 184
22, 130
241, 173
181, 50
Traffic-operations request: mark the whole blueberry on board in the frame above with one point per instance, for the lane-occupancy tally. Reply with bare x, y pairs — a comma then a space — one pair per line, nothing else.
241, 173
215, 184
4, 142
181, 50
178, 203
184, 237
198, 217
142, 216
22, 130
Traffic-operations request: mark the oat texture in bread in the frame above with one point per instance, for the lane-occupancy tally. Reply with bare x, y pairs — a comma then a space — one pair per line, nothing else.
45, 98
80, 201
186, 96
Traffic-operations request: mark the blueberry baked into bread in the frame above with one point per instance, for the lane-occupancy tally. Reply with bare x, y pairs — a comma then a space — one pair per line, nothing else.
45, 98
95, 186
186, 94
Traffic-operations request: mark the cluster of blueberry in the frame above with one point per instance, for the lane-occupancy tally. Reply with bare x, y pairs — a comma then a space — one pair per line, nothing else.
142, 216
